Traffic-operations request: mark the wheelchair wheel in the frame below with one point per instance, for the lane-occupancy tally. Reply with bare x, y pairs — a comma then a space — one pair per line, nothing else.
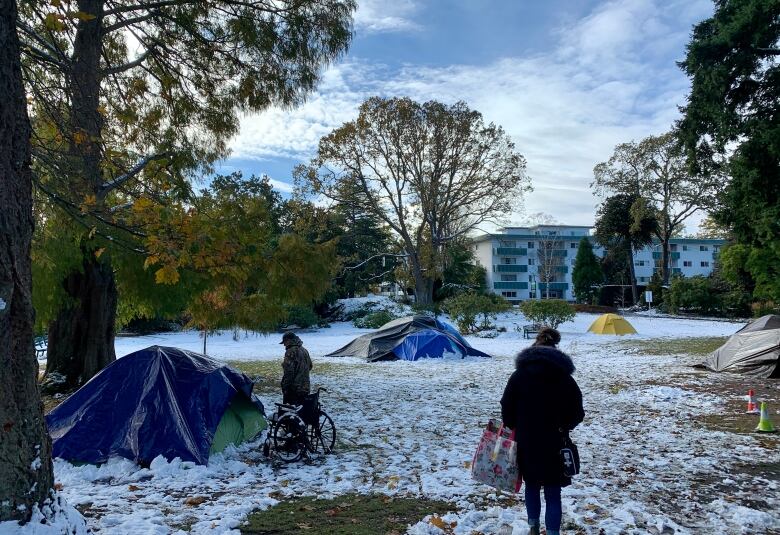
322, 435
289, 437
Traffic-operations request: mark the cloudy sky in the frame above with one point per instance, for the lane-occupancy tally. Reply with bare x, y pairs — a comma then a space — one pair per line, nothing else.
567, 79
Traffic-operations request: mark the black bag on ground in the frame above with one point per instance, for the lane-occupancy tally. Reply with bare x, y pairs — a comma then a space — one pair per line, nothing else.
570, 456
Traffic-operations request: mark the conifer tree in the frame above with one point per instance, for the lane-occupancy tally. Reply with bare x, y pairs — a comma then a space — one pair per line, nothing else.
131, 101
25, 448
587, 273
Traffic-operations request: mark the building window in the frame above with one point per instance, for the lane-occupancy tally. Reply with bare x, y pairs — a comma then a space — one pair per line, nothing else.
530, 245
673, 247
573, 245
687, 263
509, 261
509, 278
531, 295
685, 247
509, 294
705, 264
703, 248
530, 261
640, 263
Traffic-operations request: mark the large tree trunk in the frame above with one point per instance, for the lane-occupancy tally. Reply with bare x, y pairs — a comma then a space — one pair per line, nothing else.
81, 338
632, 275
423, 286
665, 259
25, 448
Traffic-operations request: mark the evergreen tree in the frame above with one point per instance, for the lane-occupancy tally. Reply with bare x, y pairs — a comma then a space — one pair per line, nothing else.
132, 100
461, 272
731, 120
586, 273
25, 448
622, 227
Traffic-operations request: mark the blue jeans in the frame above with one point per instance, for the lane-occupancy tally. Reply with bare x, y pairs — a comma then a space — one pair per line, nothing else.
552, 512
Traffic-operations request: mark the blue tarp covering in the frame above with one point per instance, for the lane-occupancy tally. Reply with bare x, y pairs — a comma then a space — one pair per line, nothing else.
157, 401
410, 338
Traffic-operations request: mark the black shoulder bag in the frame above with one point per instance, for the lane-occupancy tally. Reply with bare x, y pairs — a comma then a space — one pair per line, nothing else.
570, 455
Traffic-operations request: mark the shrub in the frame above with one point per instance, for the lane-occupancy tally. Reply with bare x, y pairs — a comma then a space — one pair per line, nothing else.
374, 320
548, 312
432, 309
694, 294
762, 308
707, 296
467, 308
301, 316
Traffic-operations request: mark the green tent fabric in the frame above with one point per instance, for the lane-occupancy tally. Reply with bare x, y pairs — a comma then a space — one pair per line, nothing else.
241, 422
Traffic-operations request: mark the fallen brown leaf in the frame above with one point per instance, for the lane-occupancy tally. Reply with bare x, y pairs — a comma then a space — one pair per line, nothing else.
195, 500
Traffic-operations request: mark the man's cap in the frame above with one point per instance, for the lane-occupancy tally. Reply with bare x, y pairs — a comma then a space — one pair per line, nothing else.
289, 335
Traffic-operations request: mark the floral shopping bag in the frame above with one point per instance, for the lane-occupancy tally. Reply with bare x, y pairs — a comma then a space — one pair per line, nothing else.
495, 461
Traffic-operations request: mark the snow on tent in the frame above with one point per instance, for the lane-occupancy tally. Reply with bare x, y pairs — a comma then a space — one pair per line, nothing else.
611, 324
410, 338
753, 350
157, 401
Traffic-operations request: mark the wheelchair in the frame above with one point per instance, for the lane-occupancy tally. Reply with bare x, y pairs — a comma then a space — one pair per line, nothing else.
298, 431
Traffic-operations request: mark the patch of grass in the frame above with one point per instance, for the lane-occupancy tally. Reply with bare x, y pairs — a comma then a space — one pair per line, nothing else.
270, 373
351, 514
616, 388
696, 346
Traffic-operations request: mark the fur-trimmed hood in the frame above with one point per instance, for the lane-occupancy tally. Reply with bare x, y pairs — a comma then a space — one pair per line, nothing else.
546, 354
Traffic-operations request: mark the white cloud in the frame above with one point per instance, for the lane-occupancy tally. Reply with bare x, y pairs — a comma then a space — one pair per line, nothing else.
376, 16
611, 79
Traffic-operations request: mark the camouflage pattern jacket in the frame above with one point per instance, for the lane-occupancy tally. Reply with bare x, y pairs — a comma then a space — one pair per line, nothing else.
296, 365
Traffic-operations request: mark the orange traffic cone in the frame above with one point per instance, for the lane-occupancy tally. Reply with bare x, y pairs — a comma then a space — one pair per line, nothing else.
752, 408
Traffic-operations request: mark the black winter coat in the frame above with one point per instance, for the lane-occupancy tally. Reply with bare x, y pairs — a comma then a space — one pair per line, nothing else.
540, 398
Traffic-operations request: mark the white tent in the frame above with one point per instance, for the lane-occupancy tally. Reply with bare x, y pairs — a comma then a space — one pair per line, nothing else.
753, 350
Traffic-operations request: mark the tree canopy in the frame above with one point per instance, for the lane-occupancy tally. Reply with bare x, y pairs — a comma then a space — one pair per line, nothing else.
732, 120
131, 103
432, 172
655, 169
622, 227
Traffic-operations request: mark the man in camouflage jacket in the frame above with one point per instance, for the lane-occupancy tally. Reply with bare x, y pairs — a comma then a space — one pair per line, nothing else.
296, 366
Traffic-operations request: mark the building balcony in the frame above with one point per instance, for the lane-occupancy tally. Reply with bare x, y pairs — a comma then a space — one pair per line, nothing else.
561, 252
511, 251
510, 285
554, 286
561, 269
658, 255
511, 268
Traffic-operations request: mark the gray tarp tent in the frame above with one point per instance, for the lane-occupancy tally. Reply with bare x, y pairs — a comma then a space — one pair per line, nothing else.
764, 323
753, 350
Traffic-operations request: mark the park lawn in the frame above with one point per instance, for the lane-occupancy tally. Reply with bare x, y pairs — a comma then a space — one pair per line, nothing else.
664, 446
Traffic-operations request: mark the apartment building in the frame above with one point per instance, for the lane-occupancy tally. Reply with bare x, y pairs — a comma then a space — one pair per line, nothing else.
536, 262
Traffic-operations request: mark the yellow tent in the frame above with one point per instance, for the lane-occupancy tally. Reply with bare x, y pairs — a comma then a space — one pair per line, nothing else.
611, 324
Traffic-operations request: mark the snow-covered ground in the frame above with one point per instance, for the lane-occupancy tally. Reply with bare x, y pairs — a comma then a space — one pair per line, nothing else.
411, 428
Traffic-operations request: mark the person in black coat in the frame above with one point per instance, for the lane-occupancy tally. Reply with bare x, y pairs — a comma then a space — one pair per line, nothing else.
541, 399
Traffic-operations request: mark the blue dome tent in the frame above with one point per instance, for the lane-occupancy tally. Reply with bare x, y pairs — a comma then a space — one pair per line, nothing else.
410, 338
157, 401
